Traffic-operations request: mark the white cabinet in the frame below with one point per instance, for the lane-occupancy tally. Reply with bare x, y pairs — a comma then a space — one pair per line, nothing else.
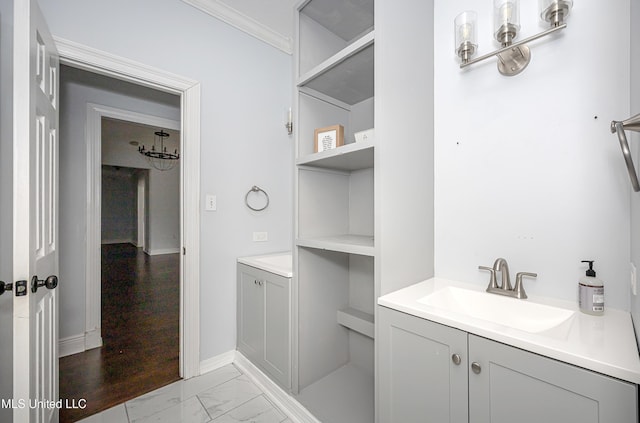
431, 372
264, 321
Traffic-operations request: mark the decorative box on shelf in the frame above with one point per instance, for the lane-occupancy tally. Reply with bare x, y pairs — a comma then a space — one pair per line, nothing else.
328, 138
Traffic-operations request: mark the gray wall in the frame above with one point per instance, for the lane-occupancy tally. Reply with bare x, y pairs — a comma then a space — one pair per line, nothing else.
162, 235
77, 88
634, 139
246, 88
6, 195
119, 205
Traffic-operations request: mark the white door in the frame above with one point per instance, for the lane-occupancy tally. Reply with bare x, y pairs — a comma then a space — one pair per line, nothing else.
35, 217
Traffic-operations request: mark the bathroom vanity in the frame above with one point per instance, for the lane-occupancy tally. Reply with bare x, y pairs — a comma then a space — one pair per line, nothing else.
264, 314
442, 364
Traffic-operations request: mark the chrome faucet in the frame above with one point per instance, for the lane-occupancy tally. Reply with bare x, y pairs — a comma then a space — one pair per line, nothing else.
500, 265
505, 288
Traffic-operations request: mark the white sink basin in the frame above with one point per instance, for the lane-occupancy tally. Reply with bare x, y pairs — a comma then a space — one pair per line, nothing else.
523, 315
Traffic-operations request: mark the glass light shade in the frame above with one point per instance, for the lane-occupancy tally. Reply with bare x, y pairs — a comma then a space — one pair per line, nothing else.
554, 11
506, 20
466, 34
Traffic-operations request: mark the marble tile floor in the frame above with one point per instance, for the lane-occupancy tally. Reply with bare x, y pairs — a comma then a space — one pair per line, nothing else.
224, 395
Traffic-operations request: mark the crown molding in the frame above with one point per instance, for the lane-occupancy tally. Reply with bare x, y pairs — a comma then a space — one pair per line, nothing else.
239, 20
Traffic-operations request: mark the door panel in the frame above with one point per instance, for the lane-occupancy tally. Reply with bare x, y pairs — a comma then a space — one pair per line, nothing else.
277, 327
516, 385
35, 202
251, 315
418, 381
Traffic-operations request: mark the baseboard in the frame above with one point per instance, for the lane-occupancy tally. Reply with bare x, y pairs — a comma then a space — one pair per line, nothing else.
216, 362
160, 251
70, 345
79, 343
92, 339
283, 400
117, 241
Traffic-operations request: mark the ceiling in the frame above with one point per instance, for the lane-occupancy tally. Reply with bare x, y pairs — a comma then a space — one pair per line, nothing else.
127, 134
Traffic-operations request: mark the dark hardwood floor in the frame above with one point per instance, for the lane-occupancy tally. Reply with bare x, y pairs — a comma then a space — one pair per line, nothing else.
140, 333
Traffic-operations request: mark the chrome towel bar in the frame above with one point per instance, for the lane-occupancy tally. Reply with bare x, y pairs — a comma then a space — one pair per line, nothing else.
618, 127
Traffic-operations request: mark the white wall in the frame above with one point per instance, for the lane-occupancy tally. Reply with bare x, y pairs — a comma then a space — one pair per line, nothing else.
163, 226
525, 166
77, 88
6, 209
634, 139
246, 87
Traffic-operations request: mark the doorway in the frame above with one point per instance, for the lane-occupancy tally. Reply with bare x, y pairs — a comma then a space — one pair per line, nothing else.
188, 316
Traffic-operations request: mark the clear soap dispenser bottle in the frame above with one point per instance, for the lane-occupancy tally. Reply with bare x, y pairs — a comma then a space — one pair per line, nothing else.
591, 292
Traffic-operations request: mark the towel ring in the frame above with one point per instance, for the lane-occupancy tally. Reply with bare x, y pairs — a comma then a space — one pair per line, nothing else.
256, 189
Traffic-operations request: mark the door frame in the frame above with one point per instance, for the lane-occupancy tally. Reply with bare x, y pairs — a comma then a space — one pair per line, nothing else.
96, 61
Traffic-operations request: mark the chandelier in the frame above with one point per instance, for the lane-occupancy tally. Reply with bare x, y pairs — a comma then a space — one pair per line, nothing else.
158, 156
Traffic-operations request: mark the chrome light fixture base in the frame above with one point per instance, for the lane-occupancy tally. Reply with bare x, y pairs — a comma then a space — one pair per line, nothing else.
556, 13
466, 50
506, 34
513, 61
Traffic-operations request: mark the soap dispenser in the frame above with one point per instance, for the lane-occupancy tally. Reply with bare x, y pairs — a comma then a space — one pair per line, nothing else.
591, 292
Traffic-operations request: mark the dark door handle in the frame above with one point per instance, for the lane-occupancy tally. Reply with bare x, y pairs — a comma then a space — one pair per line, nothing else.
50, 283
5, 287
20, 288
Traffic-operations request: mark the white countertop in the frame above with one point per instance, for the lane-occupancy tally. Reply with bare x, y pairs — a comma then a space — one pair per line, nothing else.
604, 344
278, 263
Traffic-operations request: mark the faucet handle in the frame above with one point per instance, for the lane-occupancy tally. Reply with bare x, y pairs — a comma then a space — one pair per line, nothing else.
492, 281
519, 288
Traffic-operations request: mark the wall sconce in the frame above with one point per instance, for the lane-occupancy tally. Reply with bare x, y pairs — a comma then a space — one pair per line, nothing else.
513, 57
289, 123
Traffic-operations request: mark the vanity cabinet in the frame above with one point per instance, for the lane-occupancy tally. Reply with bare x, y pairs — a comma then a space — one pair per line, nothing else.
432, 372
264, 321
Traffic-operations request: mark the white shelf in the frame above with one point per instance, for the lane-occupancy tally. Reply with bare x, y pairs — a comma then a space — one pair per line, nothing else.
344, 18
354, 156
347, 75
351, 244
345, 395
357, 320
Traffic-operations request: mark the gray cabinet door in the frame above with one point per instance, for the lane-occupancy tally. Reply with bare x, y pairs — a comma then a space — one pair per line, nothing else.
418, 378
250, 313
264, 321
519, 386
277, 327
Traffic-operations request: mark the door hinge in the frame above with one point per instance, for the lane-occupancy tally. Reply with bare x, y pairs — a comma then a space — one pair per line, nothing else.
184, 251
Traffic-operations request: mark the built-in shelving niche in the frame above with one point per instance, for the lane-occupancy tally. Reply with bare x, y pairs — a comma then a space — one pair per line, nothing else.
335, 342
335, 245
326, 27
